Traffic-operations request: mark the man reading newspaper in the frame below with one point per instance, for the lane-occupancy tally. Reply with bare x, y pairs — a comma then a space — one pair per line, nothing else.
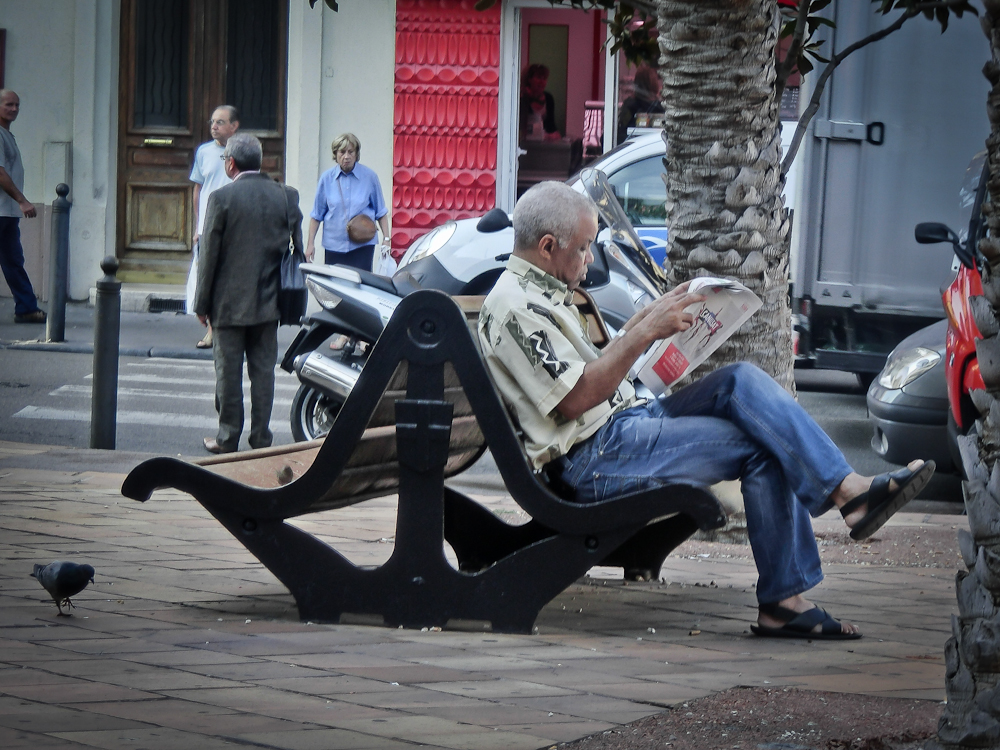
582, 420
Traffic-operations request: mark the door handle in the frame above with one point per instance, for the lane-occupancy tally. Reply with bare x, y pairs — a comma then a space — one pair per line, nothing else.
876, 133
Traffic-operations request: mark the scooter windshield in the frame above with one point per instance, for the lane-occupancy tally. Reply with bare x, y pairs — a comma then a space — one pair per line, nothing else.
596, 185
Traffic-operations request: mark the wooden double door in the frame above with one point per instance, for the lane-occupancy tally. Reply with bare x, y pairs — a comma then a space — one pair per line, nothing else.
180, 60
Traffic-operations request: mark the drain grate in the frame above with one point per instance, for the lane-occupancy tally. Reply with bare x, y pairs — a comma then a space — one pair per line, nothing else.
160, 304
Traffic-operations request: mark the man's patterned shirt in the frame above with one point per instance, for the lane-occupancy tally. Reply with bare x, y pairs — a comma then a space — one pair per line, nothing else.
536, 345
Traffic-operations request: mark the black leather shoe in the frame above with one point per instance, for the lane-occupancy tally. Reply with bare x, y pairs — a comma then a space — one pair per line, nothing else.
38, 316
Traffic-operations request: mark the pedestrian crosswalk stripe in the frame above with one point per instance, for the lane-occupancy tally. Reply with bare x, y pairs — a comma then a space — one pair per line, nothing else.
161, 419
172, 364
150, 393
278, 384
169, 364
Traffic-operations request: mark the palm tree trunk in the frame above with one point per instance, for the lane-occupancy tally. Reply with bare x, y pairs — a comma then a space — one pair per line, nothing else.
972, 655
725, 212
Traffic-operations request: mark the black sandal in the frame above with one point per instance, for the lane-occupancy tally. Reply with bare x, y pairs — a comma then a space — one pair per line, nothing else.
882, 503
800, 625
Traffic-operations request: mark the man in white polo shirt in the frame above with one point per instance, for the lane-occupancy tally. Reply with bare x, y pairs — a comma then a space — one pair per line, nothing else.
13, 205
209, 174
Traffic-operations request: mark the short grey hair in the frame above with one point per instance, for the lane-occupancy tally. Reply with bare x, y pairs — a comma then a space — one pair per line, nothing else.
346, 139
245, 150
549, 208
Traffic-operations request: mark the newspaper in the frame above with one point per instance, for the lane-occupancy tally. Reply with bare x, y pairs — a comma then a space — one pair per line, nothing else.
727, 306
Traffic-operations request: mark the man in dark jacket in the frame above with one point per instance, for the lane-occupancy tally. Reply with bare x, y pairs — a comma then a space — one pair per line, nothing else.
247, 229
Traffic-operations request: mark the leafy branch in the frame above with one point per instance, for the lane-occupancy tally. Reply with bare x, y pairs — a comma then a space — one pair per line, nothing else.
801, 29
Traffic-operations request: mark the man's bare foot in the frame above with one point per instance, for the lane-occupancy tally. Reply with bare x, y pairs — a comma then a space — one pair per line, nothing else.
799, 604
855, 484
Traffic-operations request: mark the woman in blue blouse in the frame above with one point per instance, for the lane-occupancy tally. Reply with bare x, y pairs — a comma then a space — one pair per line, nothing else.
346, 190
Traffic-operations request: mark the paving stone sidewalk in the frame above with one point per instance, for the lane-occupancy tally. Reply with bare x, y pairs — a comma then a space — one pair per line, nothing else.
185, 641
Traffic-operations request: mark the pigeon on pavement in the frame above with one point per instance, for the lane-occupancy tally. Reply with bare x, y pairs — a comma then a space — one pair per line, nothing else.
63, 580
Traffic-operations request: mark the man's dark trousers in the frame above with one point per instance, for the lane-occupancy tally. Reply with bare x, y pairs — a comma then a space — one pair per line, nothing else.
259, 344
12, 263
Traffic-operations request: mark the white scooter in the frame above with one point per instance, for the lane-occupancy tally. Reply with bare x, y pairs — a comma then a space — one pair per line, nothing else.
357, 304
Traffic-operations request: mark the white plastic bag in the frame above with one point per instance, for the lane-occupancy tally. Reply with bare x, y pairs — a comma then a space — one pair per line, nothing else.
192, 281
385, 264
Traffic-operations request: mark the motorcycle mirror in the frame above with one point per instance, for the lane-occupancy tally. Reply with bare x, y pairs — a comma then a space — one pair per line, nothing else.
932, 232
494, 221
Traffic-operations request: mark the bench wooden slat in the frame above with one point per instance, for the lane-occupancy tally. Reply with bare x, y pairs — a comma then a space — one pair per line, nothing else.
385, 412
372, 465
378, 445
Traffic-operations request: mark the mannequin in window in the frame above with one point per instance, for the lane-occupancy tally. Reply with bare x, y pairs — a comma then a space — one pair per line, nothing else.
537, 111
645, 99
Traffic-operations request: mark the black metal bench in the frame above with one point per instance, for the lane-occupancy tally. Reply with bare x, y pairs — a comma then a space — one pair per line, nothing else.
424, 409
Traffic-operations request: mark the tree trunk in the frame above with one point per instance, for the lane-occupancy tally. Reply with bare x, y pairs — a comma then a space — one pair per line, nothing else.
972, 716
725, 212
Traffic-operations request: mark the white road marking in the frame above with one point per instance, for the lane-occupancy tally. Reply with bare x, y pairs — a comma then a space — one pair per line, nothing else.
169, 364
150, 393
278, 384
160, 419
201, 365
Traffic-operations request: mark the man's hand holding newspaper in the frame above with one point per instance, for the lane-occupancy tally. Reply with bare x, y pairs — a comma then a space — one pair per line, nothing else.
727, 305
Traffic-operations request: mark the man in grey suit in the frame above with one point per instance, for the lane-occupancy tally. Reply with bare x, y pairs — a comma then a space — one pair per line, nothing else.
247, 229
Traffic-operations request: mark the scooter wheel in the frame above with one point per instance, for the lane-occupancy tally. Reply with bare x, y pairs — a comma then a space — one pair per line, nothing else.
312, 413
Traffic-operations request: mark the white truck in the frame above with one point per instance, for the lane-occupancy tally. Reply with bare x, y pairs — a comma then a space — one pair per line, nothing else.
888, 148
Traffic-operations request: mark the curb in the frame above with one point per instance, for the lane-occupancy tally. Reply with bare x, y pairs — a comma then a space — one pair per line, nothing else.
141, 298
69, 348
168, 353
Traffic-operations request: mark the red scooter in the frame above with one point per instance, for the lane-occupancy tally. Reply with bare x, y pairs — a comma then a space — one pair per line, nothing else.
961, 365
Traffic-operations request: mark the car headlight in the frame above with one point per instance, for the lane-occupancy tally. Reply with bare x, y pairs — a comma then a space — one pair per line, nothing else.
907, 367
430, 243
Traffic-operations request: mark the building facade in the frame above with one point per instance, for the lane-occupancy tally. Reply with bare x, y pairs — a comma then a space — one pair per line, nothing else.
116, 95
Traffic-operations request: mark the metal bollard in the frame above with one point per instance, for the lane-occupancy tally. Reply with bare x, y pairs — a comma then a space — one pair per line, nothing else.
55, 326
107, 326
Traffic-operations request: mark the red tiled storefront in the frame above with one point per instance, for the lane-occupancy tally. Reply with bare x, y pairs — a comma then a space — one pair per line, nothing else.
445, 114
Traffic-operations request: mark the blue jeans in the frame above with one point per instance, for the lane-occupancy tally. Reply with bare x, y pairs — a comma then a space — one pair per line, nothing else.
735, 423
12, 263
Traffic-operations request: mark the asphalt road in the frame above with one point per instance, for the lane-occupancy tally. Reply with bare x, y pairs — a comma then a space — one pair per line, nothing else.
166, 406
837, 402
